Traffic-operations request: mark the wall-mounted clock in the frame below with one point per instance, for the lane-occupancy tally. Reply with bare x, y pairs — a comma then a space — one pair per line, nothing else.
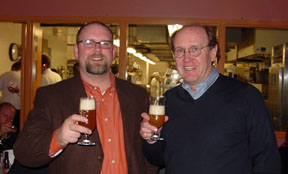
14, 52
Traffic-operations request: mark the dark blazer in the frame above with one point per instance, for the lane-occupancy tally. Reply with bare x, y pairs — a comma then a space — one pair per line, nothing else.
53, 104
17, 168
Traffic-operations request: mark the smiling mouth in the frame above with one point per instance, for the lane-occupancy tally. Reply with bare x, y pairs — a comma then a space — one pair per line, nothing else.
189, 68
96, 58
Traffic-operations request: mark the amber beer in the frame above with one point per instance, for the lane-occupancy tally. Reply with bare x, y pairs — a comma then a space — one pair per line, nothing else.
157, 115
88, 110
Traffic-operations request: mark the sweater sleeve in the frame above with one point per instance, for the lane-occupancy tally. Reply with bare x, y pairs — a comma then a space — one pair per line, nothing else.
154, 153
263, 148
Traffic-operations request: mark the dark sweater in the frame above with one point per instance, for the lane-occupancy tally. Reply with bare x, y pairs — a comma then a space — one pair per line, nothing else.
226, 131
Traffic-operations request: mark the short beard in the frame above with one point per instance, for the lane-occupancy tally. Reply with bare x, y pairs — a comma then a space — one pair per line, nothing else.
97, 69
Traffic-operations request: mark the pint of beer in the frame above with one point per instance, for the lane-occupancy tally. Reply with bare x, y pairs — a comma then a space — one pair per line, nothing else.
88, 110
157, 114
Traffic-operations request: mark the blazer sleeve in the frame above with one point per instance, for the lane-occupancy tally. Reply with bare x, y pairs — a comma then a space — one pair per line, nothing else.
32, 145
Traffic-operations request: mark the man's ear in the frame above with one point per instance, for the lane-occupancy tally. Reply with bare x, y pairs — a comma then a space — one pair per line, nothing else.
75, 50
213, 53
114, 51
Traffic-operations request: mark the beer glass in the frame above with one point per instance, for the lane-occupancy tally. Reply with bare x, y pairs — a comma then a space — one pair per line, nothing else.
88, 109
7, 135
157, 114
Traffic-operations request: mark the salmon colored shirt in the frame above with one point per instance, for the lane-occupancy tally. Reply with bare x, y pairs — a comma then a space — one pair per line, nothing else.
109, 126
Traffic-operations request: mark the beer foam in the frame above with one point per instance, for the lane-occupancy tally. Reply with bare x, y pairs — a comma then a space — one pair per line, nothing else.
87, 104
156, 110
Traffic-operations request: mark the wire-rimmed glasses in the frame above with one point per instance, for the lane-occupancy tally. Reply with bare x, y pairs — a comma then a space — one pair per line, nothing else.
193, 51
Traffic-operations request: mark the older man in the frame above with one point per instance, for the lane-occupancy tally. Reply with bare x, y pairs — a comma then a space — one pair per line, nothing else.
216, 124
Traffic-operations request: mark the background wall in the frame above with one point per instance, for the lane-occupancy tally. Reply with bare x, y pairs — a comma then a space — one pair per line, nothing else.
57, 46
9, 33
265, 10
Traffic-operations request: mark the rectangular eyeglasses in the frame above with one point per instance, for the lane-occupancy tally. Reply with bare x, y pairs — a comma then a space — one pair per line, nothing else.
105, 44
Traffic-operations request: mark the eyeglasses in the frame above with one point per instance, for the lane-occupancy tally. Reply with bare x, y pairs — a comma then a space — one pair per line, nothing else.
193, 51
105, 44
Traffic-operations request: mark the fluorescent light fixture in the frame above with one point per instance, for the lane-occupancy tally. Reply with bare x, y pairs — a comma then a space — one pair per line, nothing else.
144, 58
173, 28
130, 50
116, 42
138, 55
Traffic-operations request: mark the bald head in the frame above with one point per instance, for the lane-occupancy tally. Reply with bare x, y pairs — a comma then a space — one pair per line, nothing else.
212, 41
93, 23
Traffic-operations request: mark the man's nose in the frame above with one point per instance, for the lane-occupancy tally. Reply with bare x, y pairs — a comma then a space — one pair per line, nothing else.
97, 46
187, 56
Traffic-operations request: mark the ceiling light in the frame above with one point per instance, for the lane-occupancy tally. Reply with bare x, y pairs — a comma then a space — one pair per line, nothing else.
116, 42
130, 50
173, 28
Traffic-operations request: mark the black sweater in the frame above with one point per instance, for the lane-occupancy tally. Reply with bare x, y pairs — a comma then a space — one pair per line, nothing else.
227, 130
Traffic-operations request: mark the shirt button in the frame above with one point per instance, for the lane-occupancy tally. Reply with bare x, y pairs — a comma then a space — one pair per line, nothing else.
113, 161
109, 140
102, 99
95, 88
105, 119
110, 94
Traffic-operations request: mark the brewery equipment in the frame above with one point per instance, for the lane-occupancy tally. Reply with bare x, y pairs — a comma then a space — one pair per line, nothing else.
278, 87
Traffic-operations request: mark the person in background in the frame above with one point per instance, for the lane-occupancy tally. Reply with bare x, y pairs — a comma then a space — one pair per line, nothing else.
10, 83
52, 127
76, 68
216, 124
114, 70
7, 131
54, 70
168, 77
170, 80
48, 76
155, 84
10, 110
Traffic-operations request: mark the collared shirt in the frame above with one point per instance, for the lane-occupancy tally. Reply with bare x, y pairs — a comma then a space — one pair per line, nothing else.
49, 77
202, 87
109, 126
